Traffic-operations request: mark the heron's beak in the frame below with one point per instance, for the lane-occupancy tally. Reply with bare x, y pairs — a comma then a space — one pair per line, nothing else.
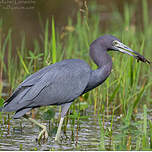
125, 49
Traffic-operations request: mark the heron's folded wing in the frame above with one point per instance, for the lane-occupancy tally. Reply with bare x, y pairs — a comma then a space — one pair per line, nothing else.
26, 91
28, 83
61, 83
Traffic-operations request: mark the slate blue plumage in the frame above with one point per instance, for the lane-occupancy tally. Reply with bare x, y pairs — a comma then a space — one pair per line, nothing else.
62, 82
53, 85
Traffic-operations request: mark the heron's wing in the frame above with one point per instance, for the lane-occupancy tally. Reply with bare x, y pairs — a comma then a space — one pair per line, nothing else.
27, 83
60, 83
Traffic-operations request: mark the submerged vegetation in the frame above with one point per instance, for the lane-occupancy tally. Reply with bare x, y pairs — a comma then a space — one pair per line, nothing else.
126, 94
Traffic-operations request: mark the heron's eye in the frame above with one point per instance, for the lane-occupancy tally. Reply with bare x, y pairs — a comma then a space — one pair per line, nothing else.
114, 43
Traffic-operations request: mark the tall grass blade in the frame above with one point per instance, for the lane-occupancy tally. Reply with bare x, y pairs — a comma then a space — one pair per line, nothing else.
46, 39
144, 140
102, 133
23, 63
150, 127
53, 42
145, 14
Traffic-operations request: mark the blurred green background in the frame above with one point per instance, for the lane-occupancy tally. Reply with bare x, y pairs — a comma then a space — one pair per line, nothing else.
27, 15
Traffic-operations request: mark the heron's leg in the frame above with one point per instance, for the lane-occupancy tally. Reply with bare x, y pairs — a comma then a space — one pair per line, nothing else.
64, 110
43, 134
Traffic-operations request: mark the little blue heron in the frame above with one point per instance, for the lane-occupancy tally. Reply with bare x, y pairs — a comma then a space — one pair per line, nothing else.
61, 83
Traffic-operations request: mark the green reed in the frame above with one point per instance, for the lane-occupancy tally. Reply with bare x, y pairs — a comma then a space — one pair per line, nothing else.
53, 42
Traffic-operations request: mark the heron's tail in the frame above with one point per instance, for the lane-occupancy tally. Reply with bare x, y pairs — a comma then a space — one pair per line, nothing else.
1, 108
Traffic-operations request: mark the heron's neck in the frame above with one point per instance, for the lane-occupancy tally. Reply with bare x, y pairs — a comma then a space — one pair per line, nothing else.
104, 63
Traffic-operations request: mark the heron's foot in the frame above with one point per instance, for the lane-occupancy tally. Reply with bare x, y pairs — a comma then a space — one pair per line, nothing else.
43, 136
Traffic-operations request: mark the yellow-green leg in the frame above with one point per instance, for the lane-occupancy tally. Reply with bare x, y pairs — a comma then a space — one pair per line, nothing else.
64, 110
43, 134
57, 137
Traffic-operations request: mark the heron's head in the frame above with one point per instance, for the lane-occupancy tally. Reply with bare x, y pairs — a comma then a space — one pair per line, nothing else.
112, 43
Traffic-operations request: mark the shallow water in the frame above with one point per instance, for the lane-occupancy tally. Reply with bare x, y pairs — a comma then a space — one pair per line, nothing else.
26, 135
84, 135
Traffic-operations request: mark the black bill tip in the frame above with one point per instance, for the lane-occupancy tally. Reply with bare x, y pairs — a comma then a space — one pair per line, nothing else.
142, 58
